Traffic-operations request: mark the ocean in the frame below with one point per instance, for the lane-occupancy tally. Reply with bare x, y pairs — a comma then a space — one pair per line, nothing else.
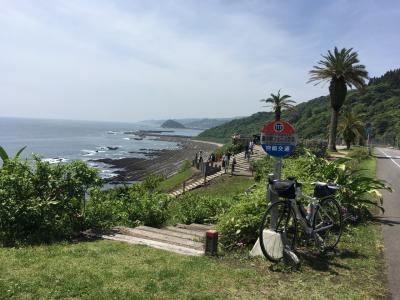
64, 140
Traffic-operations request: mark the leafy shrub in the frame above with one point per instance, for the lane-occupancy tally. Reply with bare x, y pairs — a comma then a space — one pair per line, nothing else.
40, 201
129, 206
185, 166
151, 182
357, 191
262, 167
239, 225
232, 148
195, 208
318, 147
359, 154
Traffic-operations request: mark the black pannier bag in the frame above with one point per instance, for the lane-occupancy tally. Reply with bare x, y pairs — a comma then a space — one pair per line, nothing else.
324, 190
284, 188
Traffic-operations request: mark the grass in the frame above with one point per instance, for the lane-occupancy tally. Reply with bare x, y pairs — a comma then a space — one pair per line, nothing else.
175, 180
226, 186
113, 270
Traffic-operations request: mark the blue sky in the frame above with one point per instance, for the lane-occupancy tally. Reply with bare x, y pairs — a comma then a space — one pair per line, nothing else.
135, 60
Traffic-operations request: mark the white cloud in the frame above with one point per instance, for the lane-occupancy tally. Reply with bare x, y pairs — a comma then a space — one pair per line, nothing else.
135, 60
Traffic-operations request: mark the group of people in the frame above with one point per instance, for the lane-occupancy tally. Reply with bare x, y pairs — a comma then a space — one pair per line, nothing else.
198, 157
226, 162
211, 158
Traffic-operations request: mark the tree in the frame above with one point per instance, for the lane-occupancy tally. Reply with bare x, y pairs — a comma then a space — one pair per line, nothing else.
342, 70
279, 103
350, 128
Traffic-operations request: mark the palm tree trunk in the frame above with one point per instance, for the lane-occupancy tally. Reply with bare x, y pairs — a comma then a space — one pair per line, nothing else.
278, 114
333, 129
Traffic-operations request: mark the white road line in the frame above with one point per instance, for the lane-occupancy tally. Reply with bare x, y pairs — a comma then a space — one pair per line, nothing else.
389, 158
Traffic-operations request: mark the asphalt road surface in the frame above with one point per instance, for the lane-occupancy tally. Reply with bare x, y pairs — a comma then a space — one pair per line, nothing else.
389, 169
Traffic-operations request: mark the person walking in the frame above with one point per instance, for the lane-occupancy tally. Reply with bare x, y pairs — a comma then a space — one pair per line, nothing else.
251, 147
233, 165
246, 150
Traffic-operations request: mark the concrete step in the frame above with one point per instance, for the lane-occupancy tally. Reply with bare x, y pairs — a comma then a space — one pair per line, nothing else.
161, 236
197, 233
183, 235
154, 244
193, 226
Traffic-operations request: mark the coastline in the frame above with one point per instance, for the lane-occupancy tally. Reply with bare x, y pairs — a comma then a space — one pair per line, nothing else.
163, 162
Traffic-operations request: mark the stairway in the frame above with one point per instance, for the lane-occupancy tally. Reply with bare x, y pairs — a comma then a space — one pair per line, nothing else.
243, 165
242, 168
181, 239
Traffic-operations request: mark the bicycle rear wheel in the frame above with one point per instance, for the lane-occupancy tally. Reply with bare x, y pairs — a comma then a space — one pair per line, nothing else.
278, 229
327, 224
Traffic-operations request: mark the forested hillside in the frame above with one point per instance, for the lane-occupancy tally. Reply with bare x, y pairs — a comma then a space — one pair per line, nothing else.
378, 103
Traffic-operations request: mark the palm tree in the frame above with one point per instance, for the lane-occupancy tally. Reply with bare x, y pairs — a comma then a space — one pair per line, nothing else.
279, 103
341, 70
350, 128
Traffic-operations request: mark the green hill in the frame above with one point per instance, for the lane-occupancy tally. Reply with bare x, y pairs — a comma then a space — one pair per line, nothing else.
172, 124
378, 102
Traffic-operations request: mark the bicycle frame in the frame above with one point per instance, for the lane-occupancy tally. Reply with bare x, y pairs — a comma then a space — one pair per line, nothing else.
299, 216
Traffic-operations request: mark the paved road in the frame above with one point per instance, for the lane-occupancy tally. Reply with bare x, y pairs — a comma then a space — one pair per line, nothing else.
389, 169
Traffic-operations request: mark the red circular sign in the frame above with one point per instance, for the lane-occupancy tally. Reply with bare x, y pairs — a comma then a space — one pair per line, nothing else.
278, 138
278, 127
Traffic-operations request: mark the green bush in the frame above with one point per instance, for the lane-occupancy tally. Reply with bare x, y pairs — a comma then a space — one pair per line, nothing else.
357, 191
186, 165
152, 182
129, 206
262, 167
360, 154
40, 201
196, 208
232, 148
318, 147
239, 225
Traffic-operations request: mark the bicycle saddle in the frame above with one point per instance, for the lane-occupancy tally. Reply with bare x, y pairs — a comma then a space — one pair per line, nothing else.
323, 189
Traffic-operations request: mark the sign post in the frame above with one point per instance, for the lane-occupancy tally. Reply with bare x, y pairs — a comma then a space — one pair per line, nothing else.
368, 131
278, 139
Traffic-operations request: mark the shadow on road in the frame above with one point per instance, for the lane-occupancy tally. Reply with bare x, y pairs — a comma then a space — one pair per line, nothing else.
390, 221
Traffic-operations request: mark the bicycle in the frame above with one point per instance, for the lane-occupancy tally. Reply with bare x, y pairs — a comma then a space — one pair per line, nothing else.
279, 226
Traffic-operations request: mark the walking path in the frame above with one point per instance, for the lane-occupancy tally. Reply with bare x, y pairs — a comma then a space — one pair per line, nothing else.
182, 239
389, 169
242, 168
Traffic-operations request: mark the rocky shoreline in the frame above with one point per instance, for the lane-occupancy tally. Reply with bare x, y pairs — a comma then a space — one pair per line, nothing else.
161, 162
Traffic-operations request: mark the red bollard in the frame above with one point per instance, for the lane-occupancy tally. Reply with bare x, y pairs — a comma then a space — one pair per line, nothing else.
211, 242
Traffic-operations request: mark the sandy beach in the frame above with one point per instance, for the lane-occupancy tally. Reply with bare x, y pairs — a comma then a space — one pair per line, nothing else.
164, 162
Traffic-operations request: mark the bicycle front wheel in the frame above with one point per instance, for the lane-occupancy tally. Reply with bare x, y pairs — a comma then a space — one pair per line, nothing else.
278, 229
327, 224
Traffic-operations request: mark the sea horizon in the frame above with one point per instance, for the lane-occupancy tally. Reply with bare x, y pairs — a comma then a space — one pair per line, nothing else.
57, 140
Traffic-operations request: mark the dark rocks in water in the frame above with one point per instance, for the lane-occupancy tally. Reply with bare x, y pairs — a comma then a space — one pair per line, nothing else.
147, 152
112, 148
